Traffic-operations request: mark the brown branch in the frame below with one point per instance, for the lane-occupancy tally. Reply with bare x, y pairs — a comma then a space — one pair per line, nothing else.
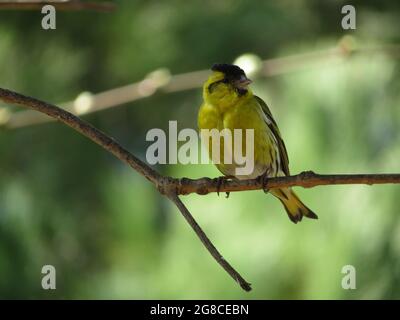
172, 187
125, 156
65, 5
306, 179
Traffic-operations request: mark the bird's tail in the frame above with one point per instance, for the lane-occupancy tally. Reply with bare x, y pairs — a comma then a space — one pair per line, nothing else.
293, 205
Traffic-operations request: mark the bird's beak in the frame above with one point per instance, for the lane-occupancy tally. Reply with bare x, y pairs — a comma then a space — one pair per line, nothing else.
243, 82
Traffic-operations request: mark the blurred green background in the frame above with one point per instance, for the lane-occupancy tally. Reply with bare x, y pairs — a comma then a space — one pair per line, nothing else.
66, 202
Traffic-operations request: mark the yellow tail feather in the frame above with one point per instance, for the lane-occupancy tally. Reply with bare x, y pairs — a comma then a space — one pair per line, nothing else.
293, 205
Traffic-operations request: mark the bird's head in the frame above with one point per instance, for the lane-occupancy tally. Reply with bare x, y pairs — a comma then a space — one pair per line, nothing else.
226, 79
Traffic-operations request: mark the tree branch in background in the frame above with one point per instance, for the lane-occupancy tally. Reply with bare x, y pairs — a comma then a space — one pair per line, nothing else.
162, 81
172, 187
66, 5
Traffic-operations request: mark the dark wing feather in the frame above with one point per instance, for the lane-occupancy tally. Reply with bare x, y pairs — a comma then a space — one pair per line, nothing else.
275, 130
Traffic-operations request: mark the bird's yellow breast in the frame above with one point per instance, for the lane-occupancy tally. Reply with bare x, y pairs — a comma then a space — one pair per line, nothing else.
225, 109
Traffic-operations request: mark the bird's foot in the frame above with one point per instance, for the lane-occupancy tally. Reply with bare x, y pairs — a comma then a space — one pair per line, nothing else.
263, 179
220, 181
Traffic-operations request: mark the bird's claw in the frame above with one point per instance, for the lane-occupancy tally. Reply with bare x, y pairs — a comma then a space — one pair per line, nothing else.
264, 181
220, 182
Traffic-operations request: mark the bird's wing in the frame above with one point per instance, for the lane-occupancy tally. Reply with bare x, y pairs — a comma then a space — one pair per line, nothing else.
275, 131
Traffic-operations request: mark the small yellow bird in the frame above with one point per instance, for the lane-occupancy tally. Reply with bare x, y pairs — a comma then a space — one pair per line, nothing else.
230, 104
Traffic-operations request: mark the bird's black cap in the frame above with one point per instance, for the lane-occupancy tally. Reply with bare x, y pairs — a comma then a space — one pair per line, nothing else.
228, 69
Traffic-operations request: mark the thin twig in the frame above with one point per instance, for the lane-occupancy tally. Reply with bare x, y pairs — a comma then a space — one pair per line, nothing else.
208, 244
84, 128
65, 5
172, 187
